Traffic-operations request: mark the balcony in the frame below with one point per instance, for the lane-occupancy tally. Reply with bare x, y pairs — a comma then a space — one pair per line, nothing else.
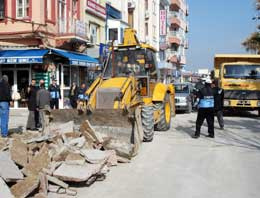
174, 19
186, 44
174, 38
183, 60
173, 59
175, 5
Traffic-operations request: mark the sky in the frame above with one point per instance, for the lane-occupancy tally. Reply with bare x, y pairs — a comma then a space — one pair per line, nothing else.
217, 26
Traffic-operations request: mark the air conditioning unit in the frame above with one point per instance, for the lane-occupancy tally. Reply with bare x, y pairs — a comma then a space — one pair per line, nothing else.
147, 14
131, 4
2, 14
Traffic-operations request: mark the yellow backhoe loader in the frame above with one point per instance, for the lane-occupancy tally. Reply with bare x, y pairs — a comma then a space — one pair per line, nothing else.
128, 101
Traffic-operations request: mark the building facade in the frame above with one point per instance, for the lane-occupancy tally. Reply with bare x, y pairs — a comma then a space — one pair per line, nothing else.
41, 39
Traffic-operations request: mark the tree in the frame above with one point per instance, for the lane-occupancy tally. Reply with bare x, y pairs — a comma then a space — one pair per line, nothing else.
252, 43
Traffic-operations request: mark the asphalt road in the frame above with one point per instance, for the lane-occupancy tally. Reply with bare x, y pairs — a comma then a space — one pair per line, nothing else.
175, 165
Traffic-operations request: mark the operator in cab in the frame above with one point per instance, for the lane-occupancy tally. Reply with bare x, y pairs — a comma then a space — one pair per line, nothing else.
205, 109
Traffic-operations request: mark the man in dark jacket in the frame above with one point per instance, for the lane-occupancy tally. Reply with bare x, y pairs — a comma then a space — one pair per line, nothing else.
33, 117
218, 103
5, 98
205, 109
54, 90
73, 95
43, 99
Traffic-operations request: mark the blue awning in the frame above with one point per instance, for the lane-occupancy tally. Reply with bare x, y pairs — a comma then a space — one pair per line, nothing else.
76, 58
22, 56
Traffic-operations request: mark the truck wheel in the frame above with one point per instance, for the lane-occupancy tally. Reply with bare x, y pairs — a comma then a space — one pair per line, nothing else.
147, 122
164, 123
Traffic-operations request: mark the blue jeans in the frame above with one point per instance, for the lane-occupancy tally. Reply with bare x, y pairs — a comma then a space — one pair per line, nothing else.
4, 118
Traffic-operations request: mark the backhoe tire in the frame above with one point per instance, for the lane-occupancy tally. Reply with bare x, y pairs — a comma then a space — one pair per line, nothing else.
164, 123
148, 123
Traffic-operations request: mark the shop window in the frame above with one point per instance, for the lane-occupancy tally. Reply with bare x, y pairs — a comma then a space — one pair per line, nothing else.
66, 76
22, 8
75, 75
2, 9
113, 34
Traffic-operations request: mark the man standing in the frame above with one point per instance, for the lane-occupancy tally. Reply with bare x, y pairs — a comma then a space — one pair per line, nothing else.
82, 98
205, 109
33, 117
5, 98
218, 103
43, 99
54, 90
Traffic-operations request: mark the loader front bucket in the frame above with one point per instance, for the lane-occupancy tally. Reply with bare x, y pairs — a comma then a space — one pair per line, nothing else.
118, 129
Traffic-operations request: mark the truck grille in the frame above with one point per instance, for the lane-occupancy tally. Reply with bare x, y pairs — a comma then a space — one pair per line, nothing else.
242, 95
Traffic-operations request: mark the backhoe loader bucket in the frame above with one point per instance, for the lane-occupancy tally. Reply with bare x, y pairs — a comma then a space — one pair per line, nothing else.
118, 129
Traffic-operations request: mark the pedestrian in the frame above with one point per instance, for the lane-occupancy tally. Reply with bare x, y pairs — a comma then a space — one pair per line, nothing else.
205, 109
73, 95
218, 103
54, 90
33, 118
5, 99
43, 99
82, 98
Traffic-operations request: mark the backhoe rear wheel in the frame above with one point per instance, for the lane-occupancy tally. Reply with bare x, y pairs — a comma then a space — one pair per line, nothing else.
148, 123
164, 123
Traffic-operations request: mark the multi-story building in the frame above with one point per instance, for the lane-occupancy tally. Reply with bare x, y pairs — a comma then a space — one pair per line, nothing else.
177, 31
32, 34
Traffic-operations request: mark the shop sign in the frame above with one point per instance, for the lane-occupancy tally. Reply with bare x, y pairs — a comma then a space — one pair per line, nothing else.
96, 8
14, 60
163, 22
80, 28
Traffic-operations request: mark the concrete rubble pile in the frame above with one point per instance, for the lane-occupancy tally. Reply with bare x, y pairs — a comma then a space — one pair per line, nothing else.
33, 164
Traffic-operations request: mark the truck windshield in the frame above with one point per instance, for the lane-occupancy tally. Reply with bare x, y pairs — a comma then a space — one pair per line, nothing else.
181, 88
129, 62
242, 71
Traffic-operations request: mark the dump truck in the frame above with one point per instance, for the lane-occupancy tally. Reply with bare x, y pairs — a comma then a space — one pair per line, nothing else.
239, 77
128, 101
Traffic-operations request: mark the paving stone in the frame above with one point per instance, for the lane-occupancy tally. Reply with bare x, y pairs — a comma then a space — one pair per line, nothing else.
77, 142
77, 173
23, 188
75, 159
53, 188
19, 152
89, 132
38, 162
8, 170
4, 190
57, 181
94, 156
43, 183
112, 158
71, 192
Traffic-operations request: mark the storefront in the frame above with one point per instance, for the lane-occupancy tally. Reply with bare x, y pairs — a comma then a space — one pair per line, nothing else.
23, 65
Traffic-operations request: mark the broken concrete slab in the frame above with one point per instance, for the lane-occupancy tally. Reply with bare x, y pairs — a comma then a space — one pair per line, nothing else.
38, 162
23, 188
8, 170
19, 153
43, 184
71, 192
75, 159
77, 142
112, 158
122, 160
94, 156
40, 138
4, 190
77, 173
61, 154
89, 132
56, 181
40, 195
53, 188
67, 127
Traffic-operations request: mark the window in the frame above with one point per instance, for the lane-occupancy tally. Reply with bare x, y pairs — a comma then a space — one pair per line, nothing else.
146, 4
75, 8
146, 29
22, 8
113, 34
2, 9
48, 9
93, 33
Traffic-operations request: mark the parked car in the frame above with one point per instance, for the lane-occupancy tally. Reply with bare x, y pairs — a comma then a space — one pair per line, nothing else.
184, 97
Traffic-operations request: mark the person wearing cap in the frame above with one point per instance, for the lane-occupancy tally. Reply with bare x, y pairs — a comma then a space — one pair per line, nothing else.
5, 99
54, 90
205, 109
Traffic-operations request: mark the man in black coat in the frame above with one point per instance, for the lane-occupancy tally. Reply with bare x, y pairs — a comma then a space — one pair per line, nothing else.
5, 99
218, 103
54, 90
33, 117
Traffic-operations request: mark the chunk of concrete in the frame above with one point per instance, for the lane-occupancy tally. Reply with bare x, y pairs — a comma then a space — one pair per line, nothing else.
77, 142
112, 158
53, 188
38, 162
4, 190
77, 173
94, 156
43, 183
40, 195
71, 192
19, 153
56, 181
67, 127
89, 132
75, 159
23, 188
8, 170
